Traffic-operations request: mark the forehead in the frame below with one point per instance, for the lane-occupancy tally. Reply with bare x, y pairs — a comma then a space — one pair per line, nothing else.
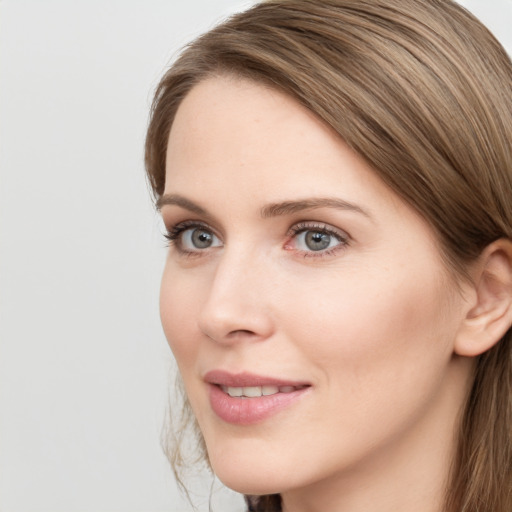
238, 130
235, 141
242, 113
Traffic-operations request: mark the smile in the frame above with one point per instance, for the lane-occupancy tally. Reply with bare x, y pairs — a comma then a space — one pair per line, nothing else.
257, 391
244, 399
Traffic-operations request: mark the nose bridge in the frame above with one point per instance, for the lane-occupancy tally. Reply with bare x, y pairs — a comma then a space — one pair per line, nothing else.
237, 305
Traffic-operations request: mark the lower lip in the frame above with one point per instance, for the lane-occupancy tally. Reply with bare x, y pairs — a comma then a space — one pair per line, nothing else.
247, 411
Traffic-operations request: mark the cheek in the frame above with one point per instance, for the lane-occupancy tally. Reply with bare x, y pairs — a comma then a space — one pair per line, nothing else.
377, 329
380, 356
178, 312
178, 316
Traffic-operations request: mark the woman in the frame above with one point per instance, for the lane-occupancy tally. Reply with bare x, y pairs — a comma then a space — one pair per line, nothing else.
335, 180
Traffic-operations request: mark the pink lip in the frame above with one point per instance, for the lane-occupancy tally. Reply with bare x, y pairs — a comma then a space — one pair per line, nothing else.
247, 411
245, 379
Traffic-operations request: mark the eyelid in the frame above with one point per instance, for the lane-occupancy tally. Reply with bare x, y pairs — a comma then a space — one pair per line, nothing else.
318, 226
174, 232
341, 235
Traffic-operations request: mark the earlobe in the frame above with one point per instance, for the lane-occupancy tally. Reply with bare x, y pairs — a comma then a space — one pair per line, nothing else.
490, 314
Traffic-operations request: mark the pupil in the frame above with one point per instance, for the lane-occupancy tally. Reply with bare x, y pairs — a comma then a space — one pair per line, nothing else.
317, 241
201, 239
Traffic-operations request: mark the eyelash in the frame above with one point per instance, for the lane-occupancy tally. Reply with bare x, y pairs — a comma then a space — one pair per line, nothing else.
173, 237
342, 237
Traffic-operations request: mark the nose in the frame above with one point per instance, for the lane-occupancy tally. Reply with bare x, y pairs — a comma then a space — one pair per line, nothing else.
238, 305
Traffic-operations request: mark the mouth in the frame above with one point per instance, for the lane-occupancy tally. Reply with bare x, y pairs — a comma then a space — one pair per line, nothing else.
245, 399
258, 391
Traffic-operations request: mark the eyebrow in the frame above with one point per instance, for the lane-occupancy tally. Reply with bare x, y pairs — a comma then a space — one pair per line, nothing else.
183, 202
272, 209
289, 207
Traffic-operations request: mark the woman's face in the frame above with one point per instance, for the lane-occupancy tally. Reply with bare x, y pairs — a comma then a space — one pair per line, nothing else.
297, 278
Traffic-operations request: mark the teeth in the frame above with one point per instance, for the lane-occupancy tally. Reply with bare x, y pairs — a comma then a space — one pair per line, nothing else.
257, 391
269, 390
235, 391
252, 391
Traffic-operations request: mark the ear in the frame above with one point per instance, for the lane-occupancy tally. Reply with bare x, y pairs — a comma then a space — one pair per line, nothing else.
489, 314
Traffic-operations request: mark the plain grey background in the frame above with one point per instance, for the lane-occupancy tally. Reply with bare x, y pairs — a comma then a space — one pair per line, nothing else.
84, 366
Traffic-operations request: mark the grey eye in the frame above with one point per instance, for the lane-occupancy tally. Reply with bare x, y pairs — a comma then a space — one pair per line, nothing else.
201, 238
316, 240
198, 238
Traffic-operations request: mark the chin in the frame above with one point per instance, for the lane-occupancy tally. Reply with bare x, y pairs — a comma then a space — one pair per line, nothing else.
248, 474
249, 483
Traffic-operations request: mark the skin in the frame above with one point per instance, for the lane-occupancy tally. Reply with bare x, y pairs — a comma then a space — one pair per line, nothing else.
369, 322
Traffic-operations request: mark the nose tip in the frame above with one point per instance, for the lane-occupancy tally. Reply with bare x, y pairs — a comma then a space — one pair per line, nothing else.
234, 321
236, 307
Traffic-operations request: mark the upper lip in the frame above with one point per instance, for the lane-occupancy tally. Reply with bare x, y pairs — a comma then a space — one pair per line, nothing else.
246, 379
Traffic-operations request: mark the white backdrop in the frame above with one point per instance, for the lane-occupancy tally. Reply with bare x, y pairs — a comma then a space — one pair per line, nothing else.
84, 366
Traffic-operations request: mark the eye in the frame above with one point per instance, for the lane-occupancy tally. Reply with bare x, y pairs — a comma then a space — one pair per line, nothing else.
198, 238
320, 239
315, 241
192, 238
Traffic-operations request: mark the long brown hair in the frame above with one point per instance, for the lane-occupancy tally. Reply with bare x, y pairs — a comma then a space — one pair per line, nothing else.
423, 92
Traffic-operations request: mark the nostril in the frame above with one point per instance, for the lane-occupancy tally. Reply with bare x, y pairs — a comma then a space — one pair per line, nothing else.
242, 332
